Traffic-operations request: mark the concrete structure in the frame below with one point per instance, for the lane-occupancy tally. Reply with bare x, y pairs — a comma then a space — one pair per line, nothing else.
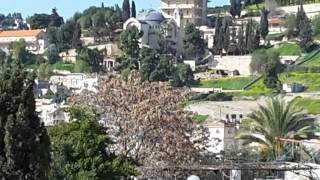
153, 25
222, 136
310, 9
35, 40
69, 56
208, 35
50, 113
77, 82
193, 11
232, 63
41, 87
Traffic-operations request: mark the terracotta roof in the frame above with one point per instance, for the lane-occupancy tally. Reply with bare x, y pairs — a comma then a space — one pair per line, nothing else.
20, 33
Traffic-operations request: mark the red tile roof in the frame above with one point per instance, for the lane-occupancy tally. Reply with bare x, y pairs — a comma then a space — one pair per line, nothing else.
20, 33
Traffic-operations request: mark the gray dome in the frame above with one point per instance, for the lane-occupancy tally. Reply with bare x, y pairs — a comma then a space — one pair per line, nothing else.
150, 16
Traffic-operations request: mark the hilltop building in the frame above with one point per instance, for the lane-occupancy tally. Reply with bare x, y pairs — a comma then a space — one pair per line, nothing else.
193, 11
35, 40
154, 25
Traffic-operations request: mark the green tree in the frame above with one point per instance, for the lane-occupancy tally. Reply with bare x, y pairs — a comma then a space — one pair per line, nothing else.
316, 25
264, 23
52, 53
193, 43
133, 9
218, 38
241, 40
182, 76
55, 19
91, 57
267, 63
80, 150
305, 30
149, 60
235, 8
129, 42
3, 57
20, 53
125, 10
277, 119
24, 143
39, 21
290, 25
163, 71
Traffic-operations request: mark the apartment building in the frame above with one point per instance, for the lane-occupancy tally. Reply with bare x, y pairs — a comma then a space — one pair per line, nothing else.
193, 11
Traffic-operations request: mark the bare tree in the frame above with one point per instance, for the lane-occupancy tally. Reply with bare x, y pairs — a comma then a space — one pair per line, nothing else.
147, 122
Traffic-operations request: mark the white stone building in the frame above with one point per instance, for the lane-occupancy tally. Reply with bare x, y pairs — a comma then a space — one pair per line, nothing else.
50, 113
35, 40
193, 11
77, 82
153, 24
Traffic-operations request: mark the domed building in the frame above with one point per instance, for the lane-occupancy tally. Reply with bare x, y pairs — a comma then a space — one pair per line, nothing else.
154, 27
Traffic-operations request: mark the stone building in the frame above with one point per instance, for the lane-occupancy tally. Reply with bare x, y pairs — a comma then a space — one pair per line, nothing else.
35, 40
193, 11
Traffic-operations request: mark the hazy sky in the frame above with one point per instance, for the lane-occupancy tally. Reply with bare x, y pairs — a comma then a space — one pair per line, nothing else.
67, 8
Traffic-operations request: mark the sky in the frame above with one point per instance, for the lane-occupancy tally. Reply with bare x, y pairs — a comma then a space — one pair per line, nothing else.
67, 8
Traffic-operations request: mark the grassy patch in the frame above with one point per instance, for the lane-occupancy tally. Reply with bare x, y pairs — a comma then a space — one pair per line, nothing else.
253, 7
314, 61
200, 118
289, 49
229, 83
258, 89
275, 37
311, 105
62, 66
310, 80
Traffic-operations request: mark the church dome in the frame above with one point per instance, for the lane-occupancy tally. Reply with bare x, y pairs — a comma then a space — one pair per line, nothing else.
151, 16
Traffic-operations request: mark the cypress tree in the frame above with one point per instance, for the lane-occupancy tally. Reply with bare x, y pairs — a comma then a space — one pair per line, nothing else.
24, 143
226, 34
218, 38
241, 39
125, 10
264, 24
133, 9
305, 31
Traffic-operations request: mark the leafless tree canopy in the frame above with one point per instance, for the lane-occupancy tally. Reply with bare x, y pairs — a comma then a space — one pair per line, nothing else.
146, 122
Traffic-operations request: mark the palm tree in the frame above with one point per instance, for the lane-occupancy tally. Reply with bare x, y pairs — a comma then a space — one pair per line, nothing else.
277, 119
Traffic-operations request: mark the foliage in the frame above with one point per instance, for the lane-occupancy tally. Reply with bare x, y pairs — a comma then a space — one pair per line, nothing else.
81, 150
182, 76
229, 83
289, 49
20, 53
304, 27
24, 143
200, 118
235, 8
52, 53
290, 25
133, 9
144, 131
43, 71
264, 23
316, 25
129, 42
91, 57
193, 43
42, 21
125, 10
277, 119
